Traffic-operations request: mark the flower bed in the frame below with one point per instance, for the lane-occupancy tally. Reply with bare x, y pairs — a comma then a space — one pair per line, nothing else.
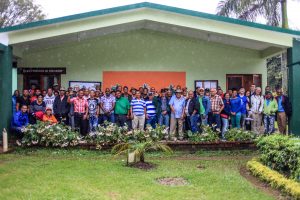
274, 178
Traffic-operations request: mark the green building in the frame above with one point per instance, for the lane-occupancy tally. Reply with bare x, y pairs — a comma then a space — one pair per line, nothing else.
120, 43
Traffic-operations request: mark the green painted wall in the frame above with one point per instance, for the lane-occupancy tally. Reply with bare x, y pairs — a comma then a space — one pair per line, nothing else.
145, 50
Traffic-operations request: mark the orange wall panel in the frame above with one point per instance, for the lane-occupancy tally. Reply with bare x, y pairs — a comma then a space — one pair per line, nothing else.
136, 79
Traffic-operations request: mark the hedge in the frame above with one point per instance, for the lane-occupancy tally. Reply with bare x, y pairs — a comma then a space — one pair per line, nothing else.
274, 178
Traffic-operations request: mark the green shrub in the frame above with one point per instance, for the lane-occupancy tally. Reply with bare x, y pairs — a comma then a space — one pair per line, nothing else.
44, 134
275, 179
239, 135
208, 135
281, 153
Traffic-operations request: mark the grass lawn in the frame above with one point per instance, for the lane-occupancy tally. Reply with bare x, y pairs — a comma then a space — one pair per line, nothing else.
81, 174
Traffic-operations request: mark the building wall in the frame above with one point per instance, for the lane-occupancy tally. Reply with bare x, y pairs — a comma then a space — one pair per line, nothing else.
145, 50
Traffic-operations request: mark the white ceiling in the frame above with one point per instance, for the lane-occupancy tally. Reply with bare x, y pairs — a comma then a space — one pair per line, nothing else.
150, 25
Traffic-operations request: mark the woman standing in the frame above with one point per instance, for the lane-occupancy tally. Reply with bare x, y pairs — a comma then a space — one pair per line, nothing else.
37, 109
235, 110
225, 114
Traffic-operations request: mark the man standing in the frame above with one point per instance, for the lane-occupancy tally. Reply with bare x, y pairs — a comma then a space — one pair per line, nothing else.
191, 112
270, 109
284, 110
177, 114
61, 107
122, 109
107, 103
163, 109
257, 104
138, 112
93, 111
80, 112
252, 90
23, 100
217, 105
150, 111
49, 98
245, 102
205, 104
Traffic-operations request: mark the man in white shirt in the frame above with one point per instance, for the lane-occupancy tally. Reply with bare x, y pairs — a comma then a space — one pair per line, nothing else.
257, 104
49, 98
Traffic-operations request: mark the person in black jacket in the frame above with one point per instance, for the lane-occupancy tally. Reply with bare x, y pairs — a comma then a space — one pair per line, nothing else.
61, 107
284, 110
192, 107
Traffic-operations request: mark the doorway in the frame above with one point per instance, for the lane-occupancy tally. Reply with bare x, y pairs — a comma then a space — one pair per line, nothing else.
236, 81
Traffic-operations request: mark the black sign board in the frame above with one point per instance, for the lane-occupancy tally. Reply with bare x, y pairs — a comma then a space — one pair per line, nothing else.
42, 70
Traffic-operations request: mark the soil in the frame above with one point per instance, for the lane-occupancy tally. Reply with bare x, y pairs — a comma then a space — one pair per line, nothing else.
143, 165
201, 167
172, 181
265, 187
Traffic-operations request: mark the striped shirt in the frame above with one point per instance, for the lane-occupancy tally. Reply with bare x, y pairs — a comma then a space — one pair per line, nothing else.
138, 106
151, 111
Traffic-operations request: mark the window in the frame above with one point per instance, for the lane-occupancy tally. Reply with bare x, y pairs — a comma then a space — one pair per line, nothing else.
242, 80
206, 84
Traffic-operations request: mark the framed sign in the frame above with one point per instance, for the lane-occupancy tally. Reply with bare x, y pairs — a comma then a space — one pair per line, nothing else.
206, 84
51, 71
85, 84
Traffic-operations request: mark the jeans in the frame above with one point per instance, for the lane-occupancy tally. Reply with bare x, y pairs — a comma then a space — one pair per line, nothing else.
120, 120
93, 122
214, 119
194, 119
109, 117
269, 124
164, 120
151, 121
236, 120
204, 120
225, 125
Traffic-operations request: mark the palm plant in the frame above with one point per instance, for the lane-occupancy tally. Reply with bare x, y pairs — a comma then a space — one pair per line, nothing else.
274, 11
138, 148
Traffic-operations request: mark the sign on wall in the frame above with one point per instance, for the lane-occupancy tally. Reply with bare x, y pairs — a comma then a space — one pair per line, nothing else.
85, 84
42, 71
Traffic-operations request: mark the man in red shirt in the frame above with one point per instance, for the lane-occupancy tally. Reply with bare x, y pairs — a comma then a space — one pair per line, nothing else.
80, 112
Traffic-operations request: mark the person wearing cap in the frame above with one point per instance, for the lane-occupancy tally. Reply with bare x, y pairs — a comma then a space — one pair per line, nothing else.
191, 112
61, 107
48, 117
269, 110
163, 109
55, 87
177, 114
204, 103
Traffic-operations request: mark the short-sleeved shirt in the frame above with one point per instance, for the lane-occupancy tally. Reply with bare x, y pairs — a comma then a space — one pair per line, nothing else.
92, 105
138, 106
79, 104
107, 102
216, 103
178, 105
150, 109
122, 106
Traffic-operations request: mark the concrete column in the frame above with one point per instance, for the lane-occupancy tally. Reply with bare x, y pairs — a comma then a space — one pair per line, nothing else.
293, 56
5, 87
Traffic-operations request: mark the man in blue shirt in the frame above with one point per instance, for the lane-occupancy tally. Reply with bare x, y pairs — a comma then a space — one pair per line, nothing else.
20, 120
245, 101
284, 110
151, 111
138, 111
177, 104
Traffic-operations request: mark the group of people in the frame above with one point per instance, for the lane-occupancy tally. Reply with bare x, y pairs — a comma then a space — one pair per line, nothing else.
178, 109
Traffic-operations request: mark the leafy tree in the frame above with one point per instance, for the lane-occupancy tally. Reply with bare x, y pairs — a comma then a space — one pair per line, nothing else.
14, 12
274, 11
